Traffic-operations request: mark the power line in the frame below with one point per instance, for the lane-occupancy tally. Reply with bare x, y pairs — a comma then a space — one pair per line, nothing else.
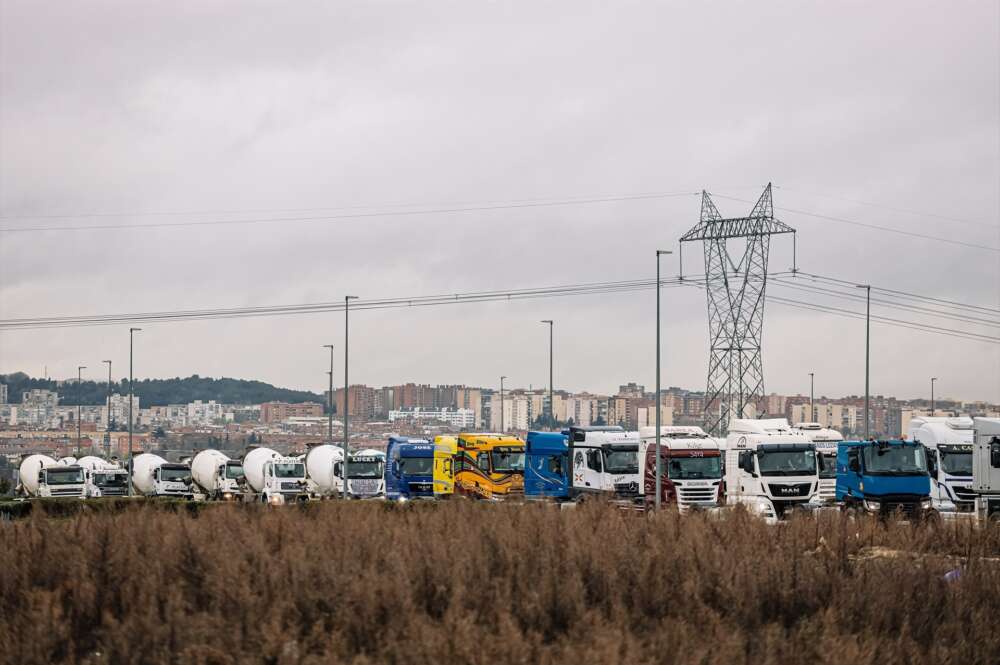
888, 229
358, 215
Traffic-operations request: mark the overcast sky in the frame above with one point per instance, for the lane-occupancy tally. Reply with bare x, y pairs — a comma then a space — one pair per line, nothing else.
208, 107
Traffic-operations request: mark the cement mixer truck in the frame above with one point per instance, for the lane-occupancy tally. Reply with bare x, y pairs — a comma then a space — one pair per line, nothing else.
41, 476
274, 479
154, 476
324, 471
103, 478
216, 477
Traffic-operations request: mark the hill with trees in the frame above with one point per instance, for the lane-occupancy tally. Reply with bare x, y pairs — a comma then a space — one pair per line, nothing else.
160, 392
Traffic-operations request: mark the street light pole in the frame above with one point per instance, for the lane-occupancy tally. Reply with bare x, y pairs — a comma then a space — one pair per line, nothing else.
79, 387
868, 355
107, 423
502, 429
329, 425
347, 394
933, 379
131, 392
552, 417
812, 394
659, 462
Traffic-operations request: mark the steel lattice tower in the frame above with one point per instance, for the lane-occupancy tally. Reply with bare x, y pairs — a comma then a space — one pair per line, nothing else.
735, 306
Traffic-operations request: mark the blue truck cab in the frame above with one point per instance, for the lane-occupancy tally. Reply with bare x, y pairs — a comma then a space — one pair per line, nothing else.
882, 477
409, 469
546, 466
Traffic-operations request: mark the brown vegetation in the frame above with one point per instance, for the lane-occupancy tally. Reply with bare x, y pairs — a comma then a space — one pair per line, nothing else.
463, 582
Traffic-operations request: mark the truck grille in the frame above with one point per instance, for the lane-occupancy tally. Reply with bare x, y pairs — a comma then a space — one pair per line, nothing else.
627, 489
965, 494
827, 490
421, 488
67, 491
365, 486
289, 486
696, 494
789, 491
112, 491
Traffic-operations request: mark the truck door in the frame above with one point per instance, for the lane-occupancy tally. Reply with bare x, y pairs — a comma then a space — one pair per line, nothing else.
587, 468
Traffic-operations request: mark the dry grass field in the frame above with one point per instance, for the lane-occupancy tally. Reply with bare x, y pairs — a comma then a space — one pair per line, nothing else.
462, 582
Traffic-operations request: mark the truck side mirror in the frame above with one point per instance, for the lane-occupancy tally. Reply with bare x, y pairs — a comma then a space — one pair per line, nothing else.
746, 462
394, 468
932, 462
995, 453
854, 465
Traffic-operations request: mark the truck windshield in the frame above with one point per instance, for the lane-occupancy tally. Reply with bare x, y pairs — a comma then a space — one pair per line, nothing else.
692, 468
63, 476
827, 465
508, 461
956, 463
895, 460
621, 461
364, 469
416, 466
234, 471
786, 462
174, 473
289, 470
110, 479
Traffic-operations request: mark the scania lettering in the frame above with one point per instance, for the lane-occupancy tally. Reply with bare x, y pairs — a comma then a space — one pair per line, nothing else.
883, 477
770, 469
949, 460
986, 468
690, 471
409, 469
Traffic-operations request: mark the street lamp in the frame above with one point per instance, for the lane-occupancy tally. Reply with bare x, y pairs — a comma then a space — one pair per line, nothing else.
659, 463
131, 392
107, 423
868, 355
812, 392
552, 418
933, 379
347, 393
502, 430
79, 387
329, 426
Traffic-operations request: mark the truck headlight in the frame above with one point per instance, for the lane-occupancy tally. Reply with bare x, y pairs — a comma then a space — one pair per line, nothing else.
872, 506
227, 495
925, 504
762, 507
275, 499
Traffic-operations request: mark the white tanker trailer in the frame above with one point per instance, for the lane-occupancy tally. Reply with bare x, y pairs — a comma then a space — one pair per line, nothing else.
103, 478
154, 476
273, 478
216, 476
324, 471
42, 476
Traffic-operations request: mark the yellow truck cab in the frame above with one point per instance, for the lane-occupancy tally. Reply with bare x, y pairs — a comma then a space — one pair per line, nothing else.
445, 449
489, 466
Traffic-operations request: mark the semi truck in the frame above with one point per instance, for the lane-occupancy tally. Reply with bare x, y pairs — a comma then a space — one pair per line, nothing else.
273, 478
986, 467
154, 476
103, 478
826, 441
445, 449
948, 442
883, 477
216, 477
770, 469
409, 469
324, 471
690, 471
366, 473
42, 476
581, 462
489, 466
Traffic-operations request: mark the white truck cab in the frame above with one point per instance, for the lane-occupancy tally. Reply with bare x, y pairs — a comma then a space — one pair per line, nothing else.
948, 442
604, 462
770, 468
691, 471
986, 467
826, 441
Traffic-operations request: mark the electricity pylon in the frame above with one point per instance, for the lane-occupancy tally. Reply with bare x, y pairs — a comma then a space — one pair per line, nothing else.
735, 306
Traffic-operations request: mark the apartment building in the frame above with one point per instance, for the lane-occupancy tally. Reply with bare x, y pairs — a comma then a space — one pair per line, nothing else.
276, 412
